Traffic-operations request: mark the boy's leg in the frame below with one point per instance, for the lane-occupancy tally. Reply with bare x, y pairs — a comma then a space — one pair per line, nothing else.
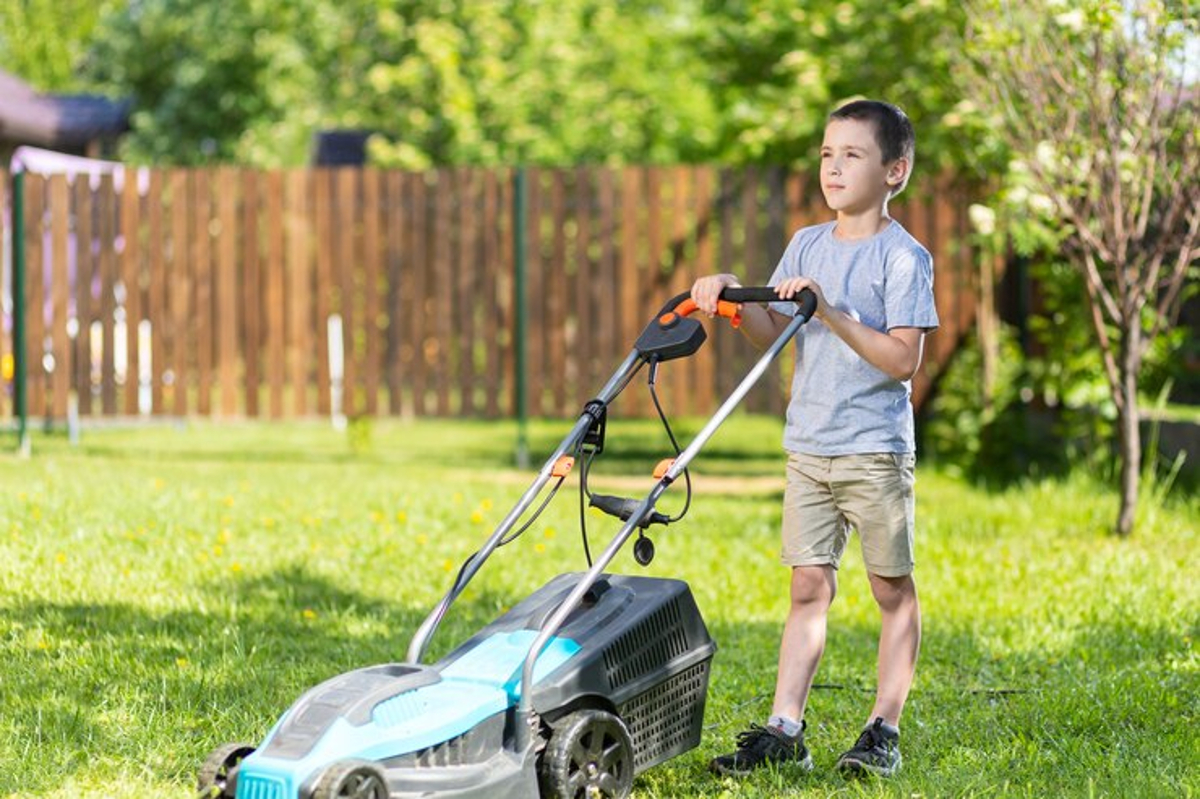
899, 642
812, 591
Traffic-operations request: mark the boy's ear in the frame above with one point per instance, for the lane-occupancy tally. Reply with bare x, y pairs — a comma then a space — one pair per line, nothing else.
898, 172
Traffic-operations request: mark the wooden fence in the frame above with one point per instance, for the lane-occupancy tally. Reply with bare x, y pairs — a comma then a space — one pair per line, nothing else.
219, 292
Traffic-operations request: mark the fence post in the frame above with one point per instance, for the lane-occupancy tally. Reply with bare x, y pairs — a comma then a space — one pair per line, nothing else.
518, 239
20, 355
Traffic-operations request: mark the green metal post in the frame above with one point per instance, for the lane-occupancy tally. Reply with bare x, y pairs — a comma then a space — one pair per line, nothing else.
518, 238
20, 351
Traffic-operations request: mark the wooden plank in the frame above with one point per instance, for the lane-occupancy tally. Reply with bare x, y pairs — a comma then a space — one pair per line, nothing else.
504, 297
60, 294
274, 268
156, 289
681, 376
704, 376
228, 314
466, 295
130, 268
582, 299
346, 271
298, 287
180, 336
493, 313
535, 300
202, 272
555, 329
322, 205
417, 299
606, 297
372, 270
85, 272
250, 291
442, 278
396, 262
107, 226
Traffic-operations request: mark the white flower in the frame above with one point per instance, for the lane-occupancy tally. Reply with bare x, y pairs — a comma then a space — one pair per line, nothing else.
983, 219
1072, 20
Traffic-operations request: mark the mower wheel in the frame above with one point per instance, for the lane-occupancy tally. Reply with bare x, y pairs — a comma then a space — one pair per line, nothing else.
590, 755
215, 780
352, 779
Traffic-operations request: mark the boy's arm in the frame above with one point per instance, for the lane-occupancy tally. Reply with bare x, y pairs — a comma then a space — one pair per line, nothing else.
896, 353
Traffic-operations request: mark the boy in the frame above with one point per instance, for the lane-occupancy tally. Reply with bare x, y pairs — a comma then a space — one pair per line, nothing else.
849, 432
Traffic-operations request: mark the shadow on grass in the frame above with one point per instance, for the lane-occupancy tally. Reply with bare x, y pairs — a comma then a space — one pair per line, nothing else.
94, 688
122, 685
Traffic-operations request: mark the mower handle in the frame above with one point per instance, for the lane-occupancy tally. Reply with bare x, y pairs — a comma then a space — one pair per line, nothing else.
729, 304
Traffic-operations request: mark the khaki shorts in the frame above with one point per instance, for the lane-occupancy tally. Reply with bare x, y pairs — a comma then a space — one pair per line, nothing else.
825, 497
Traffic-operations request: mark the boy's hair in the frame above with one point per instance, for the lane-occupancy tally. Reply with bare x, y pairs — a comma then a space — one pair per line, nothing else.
893, 130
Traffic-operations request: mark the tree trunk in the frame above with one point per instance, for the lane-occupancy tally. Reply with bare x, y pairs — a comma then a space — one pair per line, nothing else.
1129, 436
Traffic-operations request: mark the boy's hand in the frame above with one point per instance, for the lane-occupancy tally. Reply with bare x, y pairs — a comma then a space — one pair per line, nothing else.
791, 287
707, 290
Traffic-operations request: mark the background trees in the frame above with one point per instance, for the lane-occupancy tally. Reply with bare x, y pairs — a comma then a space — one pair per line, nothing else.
1098, 105
1079, 119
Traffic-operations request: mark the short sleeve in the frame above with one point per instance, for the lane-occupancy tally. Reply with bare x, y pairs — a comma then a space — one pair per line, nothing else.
908, 296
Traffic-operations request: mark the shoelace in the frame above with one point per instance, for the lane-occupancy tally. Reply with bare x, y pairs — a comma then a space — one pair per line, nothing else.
756, 738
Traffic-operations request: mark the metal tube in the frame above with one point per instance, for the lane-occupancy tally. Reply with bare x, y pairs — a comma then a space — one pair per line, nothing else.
416, 648
20, 351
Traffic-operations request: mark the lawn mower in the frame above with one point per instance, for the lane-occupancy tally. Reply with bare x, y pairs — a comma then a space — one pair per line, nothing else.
589, 681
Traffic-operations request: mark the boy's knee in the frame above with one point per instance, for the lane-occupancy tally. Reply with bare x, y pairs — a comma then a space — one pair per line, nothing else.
894, 593
813, 585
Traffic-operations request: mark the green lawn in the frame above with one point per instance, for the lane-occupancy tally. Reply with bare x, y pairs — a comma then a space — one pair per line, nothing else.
164, 590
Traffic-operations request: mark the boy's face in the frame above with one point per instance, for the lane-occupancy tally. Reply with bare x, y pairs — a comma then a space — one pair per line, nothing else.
854, 178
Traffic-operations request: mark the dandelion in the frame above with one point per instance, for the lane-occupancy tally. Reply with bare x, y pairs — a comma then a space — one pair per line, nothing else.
223, 536
235, 567
477, 518
228, 501
309, 614
486, 504
60, 558
447, 565
182, 663
401, 516
376, 517
159, 483
217, 551
422, 539
539, 547
550, 533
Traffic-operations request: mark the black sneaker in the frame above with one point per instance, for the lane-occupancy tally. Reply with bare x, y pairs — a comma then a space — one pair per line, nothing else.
759, 746
876, 752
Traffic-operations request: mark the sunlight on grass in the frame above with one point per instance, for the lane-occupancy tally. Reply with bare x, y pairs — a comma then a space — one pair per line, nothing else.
165, 590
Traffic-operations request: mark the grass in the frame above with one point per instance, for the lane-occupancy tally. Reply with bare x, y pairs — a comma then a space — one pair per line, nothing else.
165, 590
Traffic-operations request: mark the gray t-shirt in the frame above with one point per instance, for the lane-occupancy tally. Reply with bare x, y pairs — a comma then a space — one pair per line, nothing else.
841, 404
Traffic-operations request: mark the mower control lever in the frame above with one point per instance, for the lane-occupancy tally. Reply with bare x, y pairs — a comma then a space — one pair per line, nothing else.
624, 507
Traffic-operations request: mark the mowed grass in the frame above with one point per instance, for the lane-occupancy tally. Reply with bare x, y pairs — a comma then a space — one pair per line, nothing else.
164, 590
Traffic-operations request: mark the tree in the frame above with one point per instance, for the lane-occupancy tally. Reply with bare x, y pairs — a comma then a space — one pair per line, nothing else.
1098, 102
45, 41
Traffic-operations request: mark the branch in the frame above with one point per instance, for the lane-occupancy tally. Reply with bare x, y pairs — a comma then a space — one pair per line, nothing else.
1110, 365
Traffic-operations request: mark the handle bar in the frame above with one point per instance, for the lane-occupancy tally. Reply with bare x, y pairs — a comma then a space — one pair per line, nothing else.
729, 304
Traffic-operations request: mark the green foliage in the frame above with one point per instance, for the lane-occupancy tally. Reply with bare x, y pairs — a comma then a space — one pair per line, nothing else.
575, 81
163, 591
45, 41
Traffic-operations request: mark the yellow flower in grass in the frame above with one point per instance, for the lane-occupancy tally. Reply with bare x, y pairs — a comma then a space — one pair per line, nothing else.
182, 663
476, 518
539, 547
309, 614
235, 567
401, 516
60, 558
422, 539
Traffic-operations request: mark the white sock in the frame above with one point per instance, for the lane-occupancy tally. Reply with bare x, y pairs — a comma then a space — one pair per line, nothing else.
790, 727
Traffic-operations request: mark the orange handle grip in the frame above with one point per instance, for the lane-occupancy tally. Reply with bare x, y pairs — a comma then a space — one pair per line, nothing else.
730, 310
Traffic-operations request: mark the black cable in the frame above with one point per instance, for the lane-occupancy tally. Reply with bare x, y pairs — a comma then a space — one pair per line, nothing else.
687, 477
583, 491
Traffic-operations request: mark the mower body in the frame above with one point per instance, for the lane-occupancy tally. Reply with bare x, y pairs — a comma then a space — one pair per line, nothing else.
635, 647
